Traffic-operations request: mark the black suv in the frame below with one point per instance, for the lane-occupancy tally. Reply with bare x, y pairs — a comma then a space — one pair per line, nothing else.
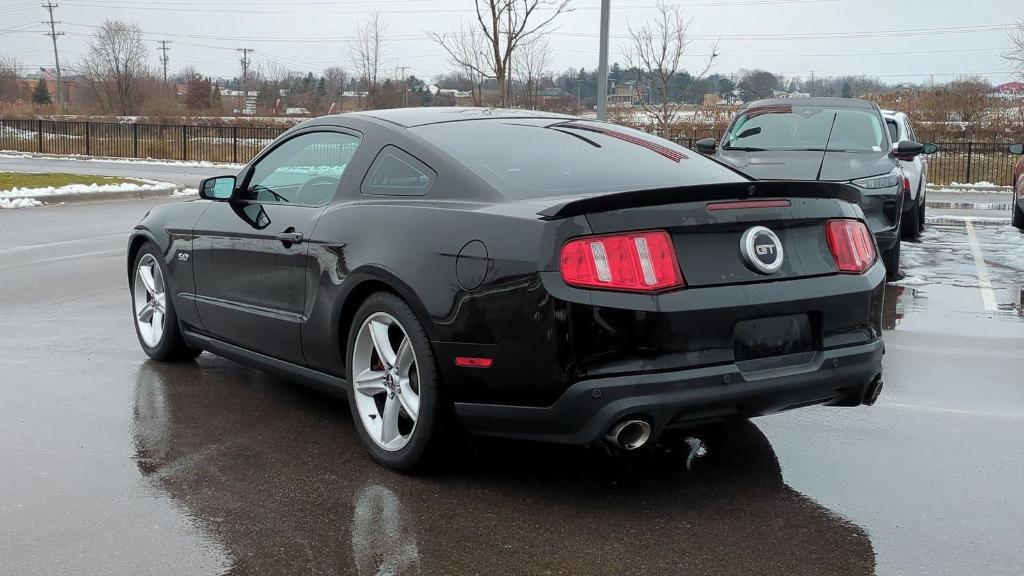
824, 139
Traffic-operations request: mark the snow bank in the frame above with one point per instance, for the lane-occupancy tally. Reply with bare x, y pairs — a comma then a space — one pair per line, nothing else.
186, 192
85, 189
19, 203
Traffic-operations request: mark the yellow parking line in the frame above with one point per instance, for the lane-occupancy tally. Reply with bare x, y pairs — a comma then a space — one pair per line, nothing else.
988, 294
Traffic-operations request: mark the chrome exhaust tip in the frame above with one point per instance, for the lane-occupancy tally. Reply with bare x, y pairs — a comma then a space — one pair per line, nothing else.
874, 391
630, 434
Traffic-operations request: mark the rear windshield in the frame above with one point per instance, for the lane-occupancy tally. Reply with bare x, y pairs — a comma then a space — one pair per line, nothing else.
787, 127
534, 158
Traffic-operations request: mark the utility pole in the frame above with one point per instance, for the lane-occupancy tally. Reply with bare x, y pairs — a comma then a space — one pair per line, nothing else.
245, 68
163, 56
602, 66
812, 83
56, 58
405, 86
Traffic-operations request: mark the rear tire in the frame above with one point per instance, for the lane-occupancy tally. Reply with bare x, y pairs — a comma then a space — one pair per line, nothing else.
396, 404
1018, 217
156, 322
891, 259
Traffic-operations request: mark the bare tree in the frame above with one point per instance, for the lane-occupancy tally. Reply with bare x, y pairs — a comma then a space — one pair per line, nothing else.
114, 65
10, 71
654, 51
469, 53
367, 52
531, 65
1015, 53
505, 26
335, 79
968, 99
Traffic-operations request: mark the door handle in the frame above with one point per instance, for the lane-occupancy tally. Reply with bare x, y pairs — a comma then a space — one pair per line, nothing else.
290, 237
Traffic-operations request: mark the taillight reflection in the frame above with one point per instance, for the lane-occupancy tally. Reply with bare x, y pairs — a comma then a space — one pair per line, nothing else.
851, 244
634, 262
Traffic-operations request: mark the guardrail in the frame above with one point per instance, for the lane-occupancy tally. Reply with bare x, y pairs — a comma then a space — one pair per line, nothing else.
963, 161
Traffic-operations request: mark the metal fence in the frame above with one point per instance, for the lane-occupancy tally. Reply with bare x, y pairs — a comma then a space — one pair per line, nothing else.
964, 161
164, 141
968, 162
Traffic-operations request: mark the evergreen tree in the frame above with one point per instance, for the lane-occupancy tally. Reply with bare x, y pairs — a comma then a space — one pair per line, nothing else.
41, 93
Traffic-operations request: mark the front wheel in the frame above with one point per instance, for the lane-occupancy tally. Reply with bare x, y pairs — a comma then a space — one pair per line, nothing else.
911, 228
156, 323
891, 259
394, 393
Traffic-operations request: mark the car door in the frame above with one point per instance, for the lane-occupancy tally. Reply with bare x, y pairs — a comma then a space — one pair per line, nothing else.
249, 255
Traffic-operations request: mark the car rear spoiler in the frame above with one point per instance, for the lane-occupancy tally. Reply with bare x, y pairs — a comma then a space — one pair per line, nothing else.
705, 192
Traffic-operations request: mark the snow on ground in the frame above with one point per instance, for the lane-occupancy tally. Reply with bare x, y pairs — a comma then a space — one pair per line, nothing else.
19, 203
86, 189
12, 154
977, 188
186, 192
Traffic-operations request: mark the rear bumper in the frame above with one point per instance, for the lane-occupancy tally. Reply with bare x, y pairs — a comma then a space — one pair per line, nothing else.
686, 398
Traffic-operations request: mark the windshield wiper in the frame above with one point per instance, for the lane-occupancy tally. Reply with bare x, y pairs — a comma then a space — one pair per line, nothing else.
744, 148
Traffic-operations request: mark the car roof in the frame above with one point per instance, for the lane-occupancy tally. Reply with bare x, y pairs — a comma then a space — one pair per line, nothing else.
410, 117
817, 101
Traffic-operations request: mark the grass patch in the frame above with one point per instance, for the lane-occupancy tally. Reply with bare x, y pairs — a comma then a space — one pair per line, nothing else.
11, 180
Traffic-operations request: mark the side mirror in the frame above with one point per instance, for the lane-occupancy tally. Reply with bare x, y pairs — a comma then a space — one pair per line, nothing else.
1016, 149
706, 145
219, 188
907, 150
930, 149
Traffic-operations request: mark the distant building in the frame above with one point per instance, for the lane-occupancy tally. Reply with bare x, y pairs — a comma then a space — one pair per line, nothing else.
49, 75
794, 94
1010, 90
622, 93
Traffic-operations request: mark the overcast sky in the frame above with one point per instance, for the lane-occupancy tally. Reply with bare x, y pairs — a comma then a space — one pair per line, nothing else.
943, 38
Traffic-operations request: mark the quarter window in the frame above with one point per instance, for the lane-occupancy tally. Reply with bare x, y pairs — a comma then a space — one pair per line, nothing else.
304, 170
397, 173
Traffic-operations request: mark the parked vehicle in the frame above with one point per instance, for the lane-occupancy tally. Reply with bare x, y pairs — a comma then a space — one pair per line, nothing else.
915, 173
828, 140
1017, 217
529, 275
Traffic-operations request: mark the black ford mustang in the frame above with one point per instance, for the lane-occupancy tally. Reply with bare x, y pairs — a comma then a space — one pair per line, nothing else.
528, 275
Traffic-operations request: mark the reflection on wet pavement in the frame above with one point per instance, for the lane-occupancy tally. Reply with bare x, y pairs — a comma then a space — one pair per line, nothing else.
939, 290
282, 465
111, 464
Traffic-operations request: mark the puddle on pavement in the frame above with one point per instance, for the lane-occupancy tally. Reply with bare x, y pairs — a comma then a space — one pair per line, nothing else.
939, 291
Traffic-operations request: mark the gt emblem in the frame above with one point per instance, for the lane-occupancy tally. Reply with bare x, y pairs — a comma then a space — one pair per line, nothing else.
761, 250
182, 256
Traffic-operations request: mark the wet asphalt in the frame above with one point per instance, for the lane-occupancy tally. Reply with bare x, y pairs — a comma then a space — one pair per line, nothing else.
113, 464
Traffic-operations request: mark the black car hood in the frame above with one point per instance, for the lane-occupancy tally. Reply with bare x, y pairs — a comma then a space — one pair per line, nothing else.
800, 165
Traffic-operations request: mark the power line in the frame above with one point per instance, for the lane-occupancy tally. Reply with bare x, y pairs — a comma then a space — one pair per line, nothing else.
164, 59
56, 58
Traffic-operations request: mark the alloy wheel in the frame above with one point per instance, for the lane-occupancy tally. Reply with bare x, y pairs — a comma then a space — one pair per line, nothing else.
386, 381
150, 299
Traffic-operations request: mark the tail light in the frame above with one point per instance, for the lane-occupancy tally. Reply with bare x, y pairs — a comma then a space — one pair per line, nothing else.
632, 262
906, 187
851, 244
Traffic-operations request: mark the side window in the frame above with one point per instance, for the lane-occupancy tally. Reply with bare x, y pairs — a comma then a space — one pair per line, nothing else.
910, 131
305, 170
397, 173
894, 130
